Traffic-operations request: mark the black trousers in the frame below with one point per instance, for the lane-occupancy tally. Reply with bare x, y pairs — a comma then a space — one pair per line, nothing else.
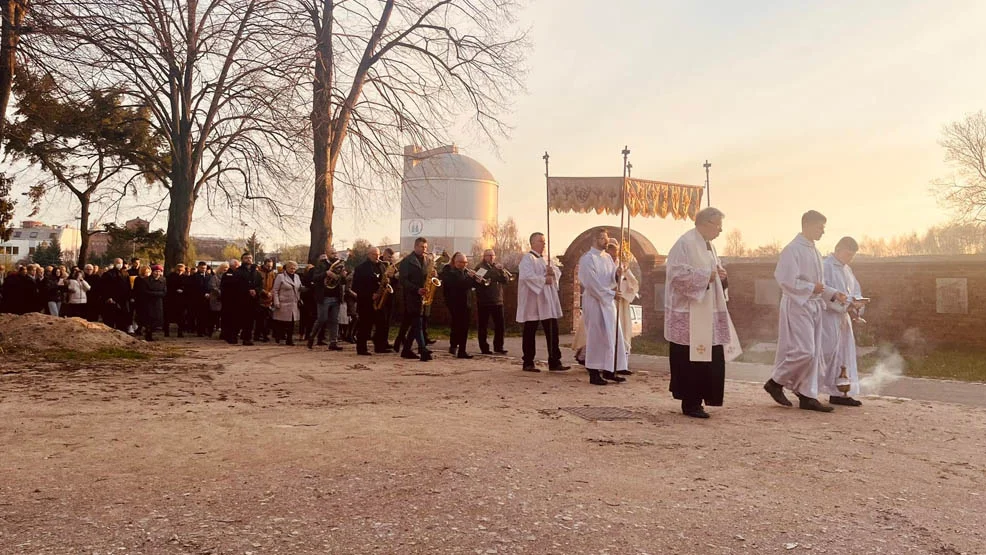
246, 314
381, 327
460, 327
550, 327
262, 322
364, 323
485, 313
694, 382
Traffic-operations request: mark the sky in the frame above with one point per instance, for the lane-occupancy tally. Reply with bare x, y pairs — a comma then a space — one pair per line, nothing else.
829, 105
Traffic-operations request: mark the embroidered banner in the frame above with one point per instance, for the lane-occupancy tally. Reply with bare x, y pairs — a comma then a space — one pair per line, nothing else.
644, 198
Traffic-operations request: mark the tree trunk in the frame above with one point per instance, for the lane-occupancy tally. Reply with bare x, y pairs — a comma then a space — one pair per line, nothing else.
181, 206
322, 203
13, 16
84, 230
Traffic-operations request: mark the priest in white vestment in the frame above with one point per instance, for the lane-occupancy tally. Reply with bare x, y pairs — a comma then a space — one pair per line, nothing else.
838, 340
629, 290
697, 325
538, 303
799, 360
598, 276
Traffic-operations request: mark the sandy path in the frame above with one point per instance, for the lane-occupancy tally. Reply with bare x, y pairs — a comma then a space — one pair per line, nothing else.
277, 450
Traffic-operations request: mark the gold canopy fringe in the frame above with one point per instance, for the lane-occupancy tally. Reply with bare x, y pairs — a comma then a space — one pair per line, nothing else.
584, 195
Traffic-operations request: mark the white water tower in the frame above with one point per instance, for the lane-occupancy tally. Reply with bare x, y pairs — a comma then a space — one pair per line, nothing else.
448, 198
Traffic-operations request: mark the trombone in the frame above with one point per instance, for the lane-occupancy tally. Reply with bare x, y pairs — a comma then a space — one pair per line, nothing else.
506, 273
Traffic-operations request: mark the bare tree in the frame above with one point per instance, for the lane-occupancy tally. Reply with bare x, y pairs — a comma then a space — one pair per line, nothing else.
390, 73
216, 82
965, 150
735, 246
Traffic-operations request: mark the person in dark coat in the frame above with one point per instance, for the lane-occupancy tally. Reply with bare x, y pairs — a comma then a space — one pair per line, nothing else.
229, 287
489, 301
150, 293
366, 282
412, 279
93, 300
251, 284
114, 290
174, 303
197, 299
15, 292
456, 285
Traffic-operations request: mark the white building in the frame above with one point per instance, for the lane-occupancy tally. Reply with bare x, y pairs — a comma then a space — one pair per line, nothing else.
26, 239
448, 198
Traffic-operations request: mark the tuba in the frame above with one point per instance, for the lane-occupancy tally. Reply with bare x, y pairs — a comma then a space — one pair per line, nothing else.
335, 268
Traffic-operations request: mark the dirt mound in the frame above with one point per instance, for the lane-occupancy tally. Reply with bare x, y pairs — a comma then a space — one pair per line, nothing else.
40, 332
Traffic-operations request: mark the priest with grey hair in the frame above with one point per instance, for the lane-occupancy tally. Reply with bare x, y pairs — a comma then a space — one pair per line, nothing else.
696, 320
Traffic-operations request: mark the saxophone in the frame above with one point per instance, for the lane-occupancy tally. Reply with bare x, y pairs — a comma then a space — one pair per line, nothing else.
385, 290
432, 283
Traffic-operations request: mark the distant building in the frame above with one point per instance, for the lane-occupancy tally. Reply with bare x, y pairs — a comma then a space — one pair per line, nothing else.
26, 239
446, 197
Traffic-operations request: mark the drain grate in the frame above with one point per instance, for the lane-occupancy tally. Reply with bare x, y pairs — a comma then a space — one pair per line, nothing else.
603, 413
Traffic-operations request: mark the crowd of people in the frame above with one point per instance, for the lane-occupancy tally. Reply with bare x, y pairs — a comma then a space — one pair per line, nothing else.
325, 304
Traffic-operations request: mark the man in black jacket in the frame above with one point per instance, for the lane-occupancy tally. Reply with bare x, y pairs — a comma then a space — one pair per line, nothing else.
366, 282
174, 301
250, 285
489, 298
456, 285
229, 292
197, 295
94, 296
412, 280
115, 292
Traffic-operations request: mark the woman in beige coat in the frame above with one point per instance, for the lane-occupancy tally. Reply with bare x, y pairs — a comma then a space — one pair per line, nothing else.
287, 297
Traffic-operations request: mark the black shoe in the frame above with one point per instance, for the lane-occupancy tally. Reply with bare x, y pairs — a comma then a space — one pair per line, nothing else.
530, 368
428, 351
807, 403
500, 351
559, 367
595, 378
381, 351
321, 344
624, 372
845, 401
310, 342
231, 341
777, 393
451, 350
409, 354
289, 342
463, 354
696, 413
181, 334
397, 345
485, 352
248, 343
426, 357
334, 347
611, 376
366, 353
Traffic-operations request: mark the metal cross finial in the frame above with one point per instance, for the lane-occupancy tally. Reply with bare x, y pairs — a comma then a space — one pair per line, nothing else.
626, 151
708, 191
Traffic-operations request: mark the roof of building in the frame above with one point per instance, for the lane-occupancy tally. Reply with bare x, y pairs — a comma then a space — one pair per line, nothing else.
449, 165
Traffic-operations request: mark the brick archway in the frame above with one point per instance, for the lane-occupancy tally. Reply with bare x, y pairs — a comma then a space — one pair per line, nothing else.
647, 258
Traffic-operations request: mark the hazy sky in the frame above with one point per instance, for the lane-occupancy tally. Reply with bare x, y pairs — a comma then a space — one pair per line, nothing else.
834, 105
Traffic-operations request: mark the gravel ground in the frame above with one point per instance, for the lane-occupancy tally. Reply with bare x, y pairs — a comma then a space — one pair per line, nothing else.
273, 449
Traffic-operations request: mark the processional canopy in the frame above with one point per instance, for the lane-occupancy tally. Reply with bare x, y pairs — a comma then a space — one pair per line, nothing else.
644, 198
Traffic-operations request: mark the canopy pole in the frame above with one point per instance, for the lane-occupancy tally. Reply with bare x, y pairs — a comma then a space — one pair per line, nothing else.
708, 188
547, 194
623, 209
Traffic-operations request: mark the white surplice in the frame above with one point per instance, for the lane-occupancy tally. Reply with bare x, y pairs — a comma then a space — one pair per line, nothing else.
629, 290
695, 312
536, 300
838, 340
597, 273
798, 362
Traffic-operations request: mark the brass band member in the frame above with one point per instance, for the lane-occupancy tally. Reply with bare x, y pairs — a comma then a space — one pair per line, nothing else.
456, 284
412, 281
382, 315
366, 281
328, 279
489, 301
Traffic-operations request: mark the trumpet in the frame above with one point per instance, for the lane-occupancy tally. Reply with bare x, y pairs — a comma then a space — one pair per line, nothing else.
506, 273
472, 273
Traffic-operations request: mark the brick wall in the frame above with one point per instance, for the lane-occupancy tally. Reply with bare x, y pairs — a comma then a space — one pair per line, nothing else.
942, 298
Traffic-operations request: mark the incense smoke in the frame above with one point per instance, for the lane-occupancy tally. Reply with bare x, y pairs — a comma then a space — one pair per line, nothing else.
890, 365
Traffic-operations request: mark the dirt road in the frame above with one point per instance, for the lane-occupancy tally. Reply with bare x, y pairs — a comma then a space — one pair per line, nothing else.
280, 450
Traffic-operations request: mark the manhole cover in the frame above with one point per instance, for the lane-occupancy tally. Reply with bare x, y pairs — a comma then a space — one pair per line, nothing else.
602, 413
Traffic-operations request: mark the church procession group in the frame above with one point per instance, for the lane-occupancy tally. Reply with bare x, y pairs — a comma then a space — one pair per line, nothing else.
815, 349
